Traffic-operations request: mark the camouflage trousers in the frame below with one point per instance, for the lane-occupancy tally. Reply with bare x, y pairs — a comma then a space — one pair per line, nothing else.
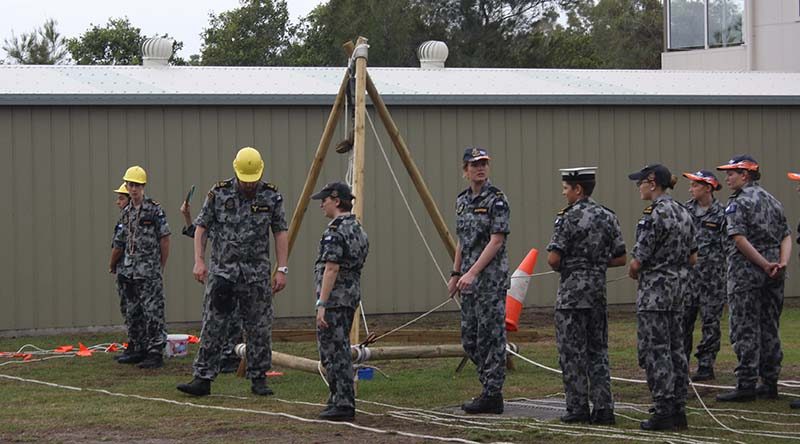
582, 338
254, 302
334, 354
710, 340
143, 309
483, 336
755, 319
661, 355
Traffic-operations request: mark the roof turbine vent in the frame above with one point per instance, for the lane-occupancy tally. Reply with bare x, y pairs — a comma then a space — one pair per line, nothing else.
432, 54
156, 52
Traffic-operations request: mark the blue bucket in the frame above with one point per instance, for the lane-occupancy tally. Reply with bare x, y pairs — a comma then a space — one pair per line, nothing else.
365, 374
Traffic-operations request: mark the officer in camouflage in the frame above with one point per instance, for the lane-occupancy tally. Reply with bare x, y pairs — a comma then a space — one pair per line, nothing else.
759, 250
706, 290
586, 241
122, 200
480, 273
237, 216
795, 176
665, 249
230, 362
337, 278
141, 246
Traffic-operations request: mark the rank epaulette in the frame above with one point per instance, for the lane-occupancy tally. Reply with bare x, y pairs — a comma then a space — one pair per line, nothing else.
271, 186
152, 201
334, 225
495, 190
648, 210
564, 210
223, 183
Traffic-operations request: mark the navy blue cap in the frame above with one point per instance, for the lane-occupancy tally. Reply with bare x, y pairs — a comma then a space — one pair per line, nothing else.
337, 190
661, 174
471, 154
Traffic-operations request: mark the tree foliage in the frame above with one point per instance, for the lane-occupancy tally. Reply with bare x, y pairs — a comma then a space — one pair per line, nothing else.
255, 34
42, 46
117, 43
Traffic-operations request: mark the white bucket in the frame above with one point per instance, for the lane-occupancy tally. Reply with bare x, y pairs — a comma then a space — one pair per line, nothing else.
177, 345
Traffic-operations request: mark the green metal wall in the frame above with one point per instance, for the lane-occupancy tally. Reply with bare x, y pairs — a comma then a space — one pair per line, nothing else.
59, 165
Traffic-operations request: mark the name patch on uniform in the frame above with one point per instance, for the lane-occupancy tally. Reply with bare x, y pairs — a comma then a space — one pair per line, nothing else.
480, 210
230, 203
711, 225
260, 208
730, 208
147, 222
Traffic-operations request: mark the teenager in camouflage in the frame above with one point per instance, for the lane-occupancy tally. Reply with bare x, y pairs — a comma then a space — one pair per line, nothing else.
237, 217
705, 294
586, 241
795, 176
337, 280
665, 249
759, 250
122, 200
141, 246
480, 273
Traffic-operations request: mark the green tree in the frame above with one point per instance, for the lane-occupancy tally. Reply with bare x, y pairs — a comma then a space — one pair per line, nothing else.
255, 34
117, 43
42, 46
628, 34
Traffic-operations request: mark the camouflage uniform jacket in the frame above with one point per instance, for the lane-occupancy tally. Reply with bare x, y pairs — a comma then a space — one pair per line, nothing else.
709, 225
586, 235
478, 217
117, 229
238, 227
139, 238
665, 238
755, 214
344, 242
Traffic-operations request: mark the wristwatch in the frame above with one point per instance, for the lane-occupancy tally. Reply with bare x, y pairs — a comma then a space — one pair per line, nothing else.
284, 270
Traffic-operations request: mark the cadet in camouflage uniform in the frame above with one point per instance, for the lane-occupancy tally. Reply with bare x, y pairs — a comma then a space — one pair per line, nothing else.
758, 253
481, 275
706, 291
665, 248
795, 176
237, 216
123, 198
141, 246
230, 362
337, 279
586, 240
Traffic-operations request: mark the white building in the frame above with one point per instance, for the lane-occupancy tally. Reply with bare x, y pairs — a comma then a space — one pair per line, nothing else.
732, 35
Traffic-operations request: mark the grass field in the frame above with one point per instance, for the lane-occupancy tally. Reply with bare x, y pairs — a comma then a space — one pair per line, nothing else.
120, 403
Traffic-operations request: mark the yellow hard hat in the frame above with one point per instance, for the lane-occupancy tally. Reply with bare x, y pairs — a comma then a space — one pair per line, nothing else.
135, 174
248, 165
122, 189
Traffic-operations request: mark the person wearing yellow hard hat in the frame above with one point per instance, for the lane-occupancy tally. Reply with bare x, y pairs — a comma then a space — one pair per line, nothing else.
238, 215
759, 250
122, 200
139, 255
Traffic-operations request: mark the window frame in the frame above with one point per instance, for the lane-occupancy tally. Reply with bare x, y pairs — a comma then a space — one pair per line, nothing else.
668, 26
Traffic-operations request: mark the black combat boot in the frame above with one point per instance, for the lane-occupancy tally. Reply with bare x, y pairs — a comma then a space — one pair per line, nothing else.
658, 422
133, 357
576, 416
767, 390
153, 360
679, 421
259, 387
198, 387
601, 417
485, 404
126, 352
740, 394
703, 374
334, 413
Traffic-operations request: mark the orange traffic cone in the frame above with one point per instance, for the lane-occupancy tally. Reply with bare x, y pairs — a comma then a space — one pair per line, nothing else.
519, 287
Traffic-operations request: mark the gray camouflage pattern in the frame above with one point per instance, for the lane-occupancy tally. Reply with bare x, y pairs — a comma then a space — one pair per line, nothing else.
665, 238
238, 228
344, 242
755, 300
586, 235
254, 302
706, 293
483, 307
334, 354
139, 276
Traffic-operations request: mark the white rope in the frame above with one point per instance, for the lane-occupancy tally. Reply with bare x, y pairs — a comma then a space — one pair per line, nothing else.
244, 410
405, 199
445, 302
364, 317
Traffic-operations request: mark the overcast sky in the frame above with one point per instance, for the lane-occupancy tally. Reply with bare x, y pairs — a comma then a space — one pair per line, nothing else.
182, 19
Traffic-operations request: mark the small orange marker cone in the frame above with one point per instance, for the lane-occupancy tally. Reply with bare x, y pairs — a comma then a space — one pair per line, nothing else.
273, 374
83, 351
193, 339
63, 349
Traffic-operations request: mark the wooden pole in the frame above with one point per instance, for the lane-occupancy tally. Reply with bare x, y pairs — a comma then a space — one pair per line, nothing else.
316, 164
411, 167
358, 156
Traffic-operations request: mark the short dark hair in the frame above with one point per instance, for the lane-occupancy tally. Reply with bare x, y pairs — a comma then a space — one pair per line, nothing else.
345, 205
587, 185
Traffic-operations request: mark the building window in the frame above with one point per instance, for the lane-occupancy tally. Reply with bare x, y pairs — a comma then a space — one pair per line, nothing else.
704, 23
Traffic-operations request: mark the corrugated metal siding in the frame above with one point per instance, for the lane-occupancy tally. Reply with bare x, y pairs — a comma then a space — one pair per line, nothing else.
59, 165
